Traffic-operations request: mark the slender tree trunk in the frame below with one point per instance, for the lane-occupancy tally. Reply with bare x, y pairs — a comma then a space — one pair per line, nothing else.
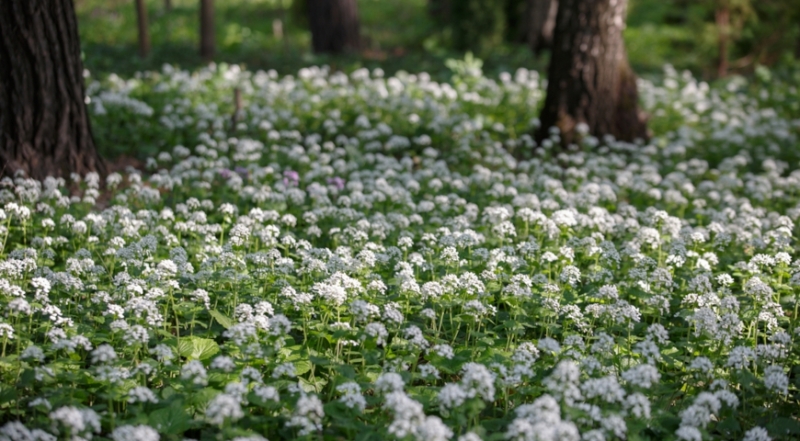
207, 43
144, 32
44, 126
723, 18
589, 80
282, 35
540, 23
167, 5
797, 48
334, 25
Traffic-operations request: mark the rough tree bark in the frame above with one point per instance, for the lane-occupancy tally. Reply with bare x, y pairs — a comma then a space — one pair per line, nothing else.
334, 25
589, 78
44, 126
207, 41
540, 22
144, 32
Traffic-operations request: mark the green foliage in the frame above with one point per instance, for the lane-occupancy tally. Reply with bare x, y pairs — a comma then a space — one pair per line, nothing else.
467, 71
418, 35
684, 33
477, 25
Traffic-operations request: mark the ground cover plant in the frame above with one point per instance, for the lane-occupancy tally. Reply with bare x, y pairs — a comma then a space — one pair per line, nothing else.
362, 257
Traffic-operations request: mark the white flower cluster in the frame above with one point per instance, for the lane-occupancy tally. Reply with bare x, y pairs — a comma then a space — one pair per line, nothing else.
395, 255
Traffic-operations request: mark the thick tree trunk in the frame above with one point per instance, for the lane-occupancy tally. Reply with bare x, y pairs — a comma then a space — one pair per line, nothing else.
334, 25
207, 43
540, 22
44, 126
589, 79
144, 32
722, 17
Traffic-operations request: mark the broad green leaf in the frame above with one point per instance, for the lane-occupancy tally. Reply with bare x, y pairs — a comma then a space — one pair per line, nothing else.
782, 426
301, 366
172, 420
221, 318
314, 385
197, 348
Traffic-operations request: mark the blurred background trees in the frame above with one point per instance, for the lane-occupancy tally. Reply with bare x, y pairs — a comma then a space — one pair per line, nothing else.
712, 38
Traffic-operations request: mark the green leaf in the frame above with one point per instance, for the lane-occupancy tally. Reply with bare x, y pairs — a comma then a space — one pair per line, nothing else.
221, 318
339, 412
199, 399
784, 426
172, 420
729, 426
301, 367
314, 385
197, 348
319, 361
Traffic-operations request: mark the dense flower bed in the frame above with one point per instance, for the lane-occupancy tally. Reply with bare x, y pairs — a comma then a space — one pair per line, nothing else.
359, 257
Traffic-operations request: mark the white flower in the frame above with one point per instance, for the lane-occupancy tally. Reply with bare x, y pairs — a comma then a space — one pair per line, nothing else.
223, 407
478, 381
195, 371
451, 396
75, 422
469, 436
643, 375
135, 433
776, 380
6, 331
103, 354
16, 431
351, 395
443, 350
606, 388
408, 414
432, 429
389, 382
756, 434
141, 394
541, 421
307, 415
689, 433
267, 393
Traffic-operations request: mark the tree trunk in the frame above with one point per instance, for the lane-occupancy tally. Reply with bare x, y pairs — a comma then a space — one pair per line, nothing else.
207, 44
540, 23
589, 79
44, 126
797, 48
282, 20
167, 5
144, 32
334, 25
723, 18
